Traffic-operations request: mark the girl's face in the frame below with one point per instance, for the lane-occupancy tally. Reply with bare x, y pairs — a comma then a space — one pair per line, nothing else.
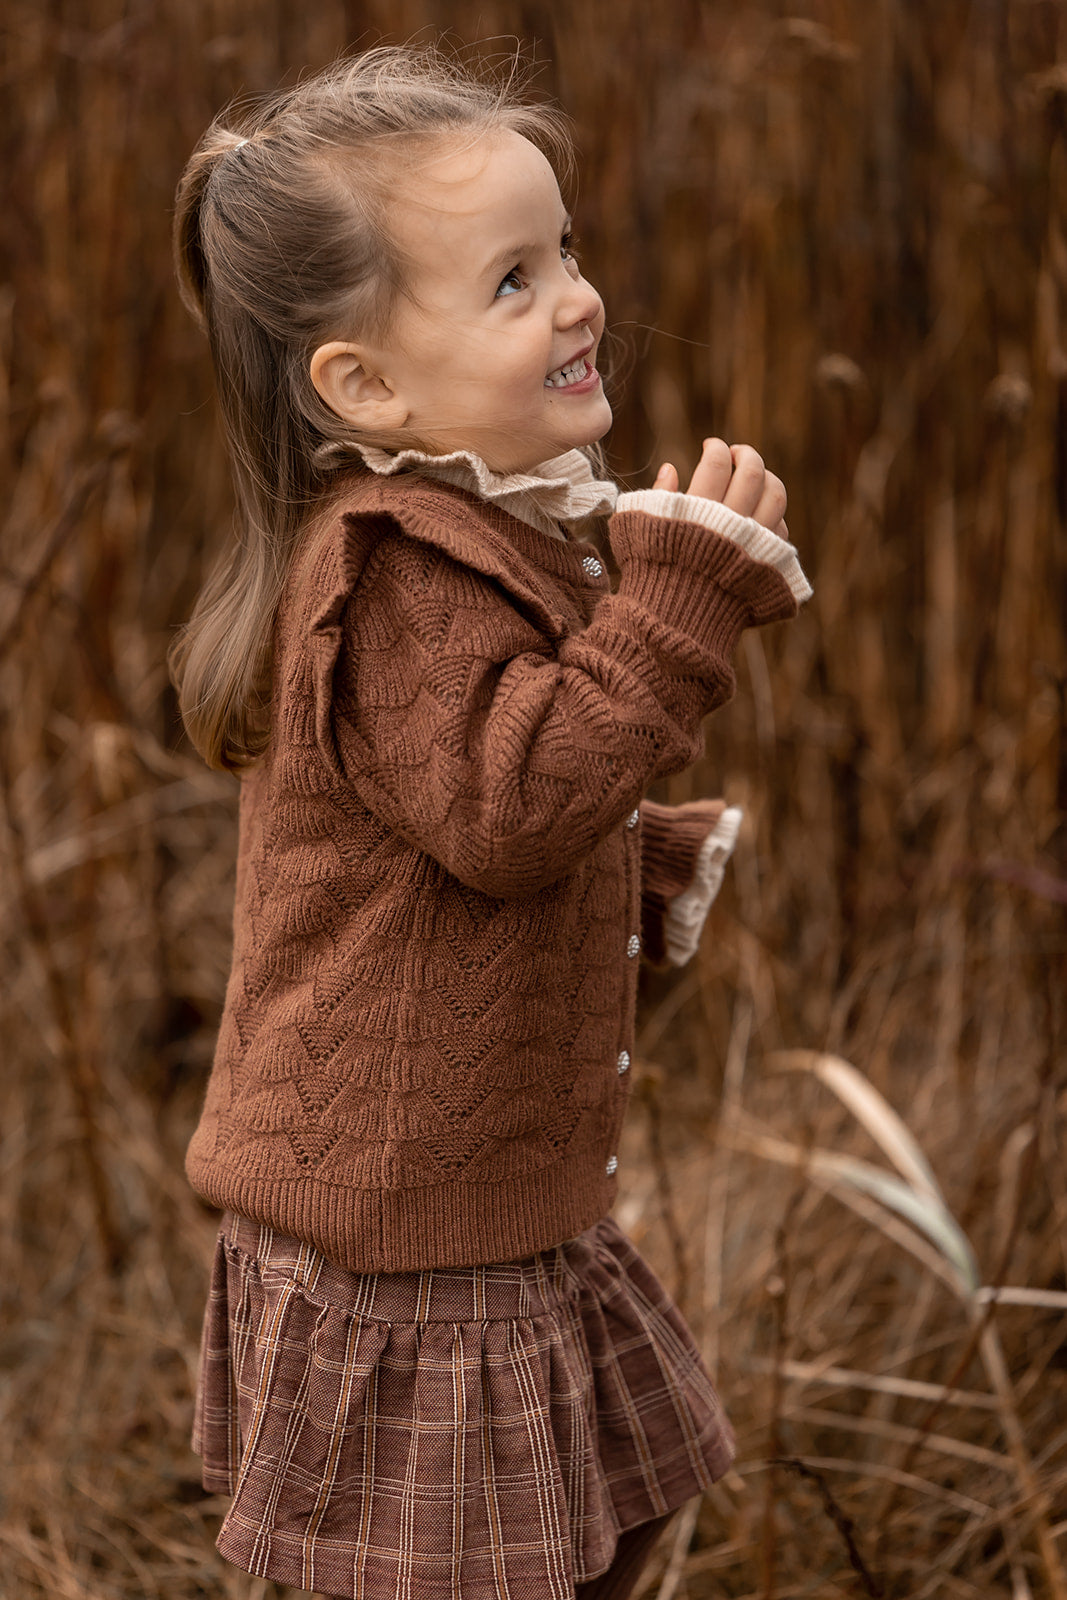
494, 348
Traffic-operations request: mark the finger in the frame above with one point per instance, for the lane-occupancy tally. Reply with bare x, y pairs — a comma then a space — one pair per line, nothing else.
667, 478
770, 508
713, 470
746, 485
782, 531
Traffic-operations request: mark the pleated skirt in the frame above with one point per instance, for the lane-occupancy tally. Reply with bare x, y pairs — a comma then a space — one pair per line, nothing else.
474, 1433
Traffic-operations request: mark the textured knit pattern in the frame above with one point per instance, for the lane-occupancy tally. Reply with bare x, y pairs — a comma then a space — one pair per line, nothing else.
484, 1432
438, 899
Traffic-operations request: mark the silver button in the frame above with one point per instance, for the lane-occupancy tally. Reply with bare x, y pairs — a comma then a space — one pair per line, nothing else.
612, 1166
634, 818
623, 1062
592, 567
633, 945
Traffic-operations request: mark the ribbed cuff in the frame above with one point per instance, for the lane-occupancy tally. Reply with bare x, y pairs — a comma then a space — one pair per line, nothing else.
697, 580
672, 841
756, 540
687, 913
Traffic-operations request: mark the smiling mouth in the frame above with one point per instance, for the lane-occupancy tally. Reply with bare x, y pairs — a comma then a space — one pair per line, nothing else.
563, 377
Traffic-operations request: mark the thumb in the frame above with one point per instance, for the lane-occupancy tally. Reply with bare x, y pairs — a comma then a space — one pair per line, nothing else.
666, 478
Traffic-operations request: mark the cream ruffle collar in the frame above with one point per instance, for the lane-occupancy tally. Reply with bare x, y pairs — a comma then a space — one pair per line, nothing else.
561, 490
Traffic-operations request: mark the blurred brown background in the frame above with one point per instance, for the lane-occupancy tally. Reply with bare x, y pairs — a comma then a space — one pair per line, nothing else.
834, 229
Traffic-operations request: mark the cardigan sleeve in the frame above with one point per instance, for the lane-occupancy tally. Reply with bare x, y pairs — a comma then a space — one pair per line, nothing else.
684, 851
505, 755
760, 543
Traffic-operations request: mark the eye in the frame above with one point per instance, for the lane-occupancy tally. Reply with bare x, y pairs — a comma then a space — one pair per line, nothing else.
568, 247
511, 283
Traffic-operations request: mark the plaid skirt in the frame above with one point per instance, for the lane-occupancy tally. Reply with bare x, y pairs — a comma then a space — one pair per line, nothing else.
477, 1433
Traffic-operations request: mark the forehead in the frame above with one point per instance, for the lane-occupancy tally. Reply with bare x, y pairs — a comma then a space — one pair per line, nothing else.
476, 195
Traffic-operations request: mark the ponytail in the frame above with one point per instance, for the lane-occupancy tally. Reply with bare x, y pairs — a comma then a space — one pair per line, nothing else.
281, 244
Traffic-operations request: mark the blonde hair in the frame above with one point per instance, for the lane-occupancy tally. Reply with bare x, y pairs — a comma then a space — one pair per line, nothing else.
281, 244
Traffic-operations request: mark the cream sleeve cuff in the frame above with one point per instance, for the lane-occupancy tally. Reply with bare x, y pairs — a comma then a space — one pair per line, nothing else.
684, 922
756, 540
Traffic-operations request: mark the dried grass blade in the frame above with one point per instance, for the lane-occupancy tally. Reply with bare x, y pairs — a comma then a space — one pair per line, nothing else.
877, 1383
1033, 1494
676, 1566
925, 1212
876, 1469
879, 1427
885, 1126
1020, 1295
719, 1188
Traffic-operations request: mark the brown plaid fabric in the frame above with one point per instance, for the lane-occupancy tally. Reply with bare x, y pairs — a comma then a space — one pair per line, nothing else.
476, 1433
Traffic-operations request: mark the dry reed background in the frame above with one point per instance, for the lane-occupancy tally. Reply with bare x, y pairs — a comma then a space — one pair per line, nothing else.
845, 221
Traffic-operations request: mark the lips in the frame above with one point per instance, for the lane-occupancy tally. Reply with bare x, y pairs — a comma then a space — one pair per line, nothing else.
573, 371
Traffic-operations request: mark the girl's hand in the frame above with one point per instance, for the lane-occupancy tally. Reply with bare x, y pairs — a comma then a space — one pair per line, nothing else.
737, 477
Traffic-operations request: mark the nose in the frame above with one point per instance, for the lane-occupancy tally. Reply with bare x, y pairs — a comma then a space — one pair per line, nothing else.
579, 303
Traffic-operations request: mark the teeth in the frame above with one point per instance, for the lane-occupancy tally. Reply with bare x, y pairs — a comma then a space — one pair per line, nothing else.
564, 375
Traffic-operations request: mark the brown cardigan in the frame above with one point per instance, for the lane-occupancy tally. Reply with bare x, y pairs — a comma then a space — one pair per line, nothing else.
424, 1051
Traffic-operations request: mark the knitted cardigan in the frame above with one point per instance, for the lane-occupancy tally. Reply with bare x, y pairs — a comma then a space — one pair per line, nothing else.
424, 1049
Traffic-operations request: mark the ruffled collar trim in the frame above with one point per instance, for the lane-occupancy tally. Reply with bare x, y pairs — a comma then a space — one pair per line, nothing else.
562, 490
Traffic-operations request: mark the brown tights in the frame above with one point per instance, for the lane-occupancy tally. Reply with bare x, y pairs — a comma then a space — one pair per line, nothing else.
631, 1553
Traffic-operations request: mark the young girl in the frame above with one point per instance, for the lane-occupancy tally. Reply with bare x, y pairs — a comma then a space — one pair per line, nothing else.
432, 1367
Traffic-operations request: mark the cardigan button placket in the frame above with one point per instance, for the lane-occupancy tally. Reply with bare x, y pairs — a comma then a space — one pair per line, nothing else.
592, 567
623, 1063
634, 818
612, 1166
376, 586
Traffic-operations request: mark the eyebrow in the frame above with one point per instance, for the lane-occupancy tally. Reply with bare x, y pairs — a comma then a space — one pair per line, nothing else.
507, 258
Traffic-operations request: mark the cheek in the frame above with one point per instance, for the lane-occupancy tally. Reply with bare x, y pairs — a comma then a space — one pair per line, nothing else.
527, 377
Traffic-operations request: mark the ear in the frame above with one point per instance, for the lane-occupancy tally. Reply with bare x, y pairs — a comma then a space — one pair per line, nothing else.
344, 377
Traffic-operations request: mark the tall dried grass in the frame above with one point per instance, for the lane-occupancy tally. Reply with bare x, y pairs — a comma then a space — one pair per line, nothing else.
836, 229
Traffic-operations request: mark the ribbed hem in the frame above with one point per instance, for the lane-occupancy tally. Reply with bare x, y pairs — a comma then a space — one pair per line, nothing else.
407, 1230
758, 542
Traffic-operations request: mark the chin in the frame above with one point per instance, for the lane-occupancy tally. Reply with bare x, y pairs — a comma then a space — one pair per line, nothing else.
602, 425
594, 436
